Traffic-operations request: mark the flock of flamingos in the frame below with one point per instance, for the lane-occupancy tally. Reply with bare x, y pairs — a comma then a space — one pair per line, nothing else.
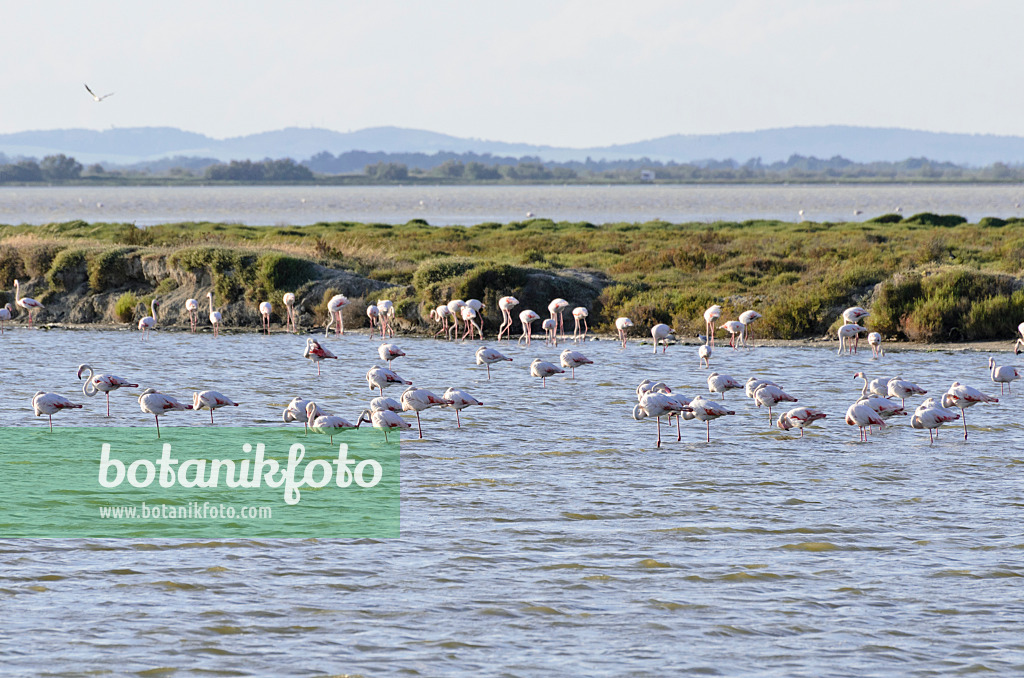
881, 399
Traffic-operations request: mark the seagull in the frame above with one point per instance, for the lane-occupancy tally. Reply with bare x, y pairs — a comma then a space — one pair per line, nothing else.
96, 98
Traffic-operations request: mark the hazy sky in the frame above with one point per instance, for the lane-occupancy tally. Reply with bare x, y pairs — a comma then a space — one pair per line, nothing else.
567, 73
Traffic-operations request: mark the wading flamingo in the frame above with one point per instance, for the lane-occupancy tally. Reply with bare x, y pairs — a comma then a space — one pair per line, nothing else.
289, 305
704, 352
489, 356
211, 400
381, 377
550, 327
389, 352
265, 309
192, 306
526, 318
770, 396
735, 329
149, 322
26, 303
875, 341
555, 308
383, 419
712, 314
297, 411
478, 306
720, 383
570, 360
931, 416
381, 403
50, 404
334, 319
455, 306
5, 314
754, 383
747, 318
800, 417
580, 314
442, 314
215, 316
1005, 374
963, 396
902, 389
862, 416
1018, 345
153, 402
848, 332
459, 400
707, 410
543, 369
327, 424
387, 315
622, 326
418, 399
101, 382
506, 304
661, 332
373, 313
657, 405
469, 316
317, 353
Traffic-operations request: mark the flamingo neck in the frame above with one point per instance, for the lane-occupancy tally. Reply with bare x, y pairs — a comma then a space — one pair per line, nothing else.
864, 391
152, 308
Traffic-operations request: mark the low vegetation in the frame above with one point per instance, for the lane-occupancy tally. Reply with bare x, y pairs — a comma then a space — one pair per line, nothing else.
926, 277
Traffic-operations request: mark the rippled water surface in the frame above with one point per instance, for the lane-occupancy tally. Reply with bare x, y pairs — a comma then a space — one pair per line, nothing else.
465, 205
548, 535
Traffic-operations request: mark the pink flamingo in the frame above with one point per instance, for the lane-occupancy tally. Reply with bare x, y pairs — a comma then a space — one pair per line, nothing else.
712, 314
580, 314
489, 356
622, 326
734, 328
455, 306
418, 399
442, 314
26, 303
931, 416
800, 417
469, 316
526, 318
550, 327
963, 396
720, 383
317, 353
153, 402
459, 400
383, 419
848, 332
387, 315
570, 360
297, 411
770, 396
192, 306
215, 318
506, 304
862, 416
875, 342
389, 352
327, 424
902, 389
373, 313
555, 308
708, 410
747, 318
5, 314
660, 333
149, 322
334, 319
381, 377
289, 304
656, 404
101, 382
265, 309
704, 352
50, 404
1018, 345
1005, 374
211, 400
544, 369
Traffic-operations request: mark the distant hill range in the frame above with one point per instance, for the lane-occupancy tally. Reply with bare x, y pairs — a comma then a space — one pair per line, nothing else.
860, 144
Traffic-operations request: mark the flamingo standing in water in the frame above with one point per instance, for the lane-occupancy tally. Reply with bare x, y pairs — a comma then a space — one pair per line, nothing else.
555, 308
543, 369
334, 306
373, 313
704, 352
297, 411
656, 404
418, 399
383, 419
707, 410
1005, 374
455, 306
712, 314
734, 328
550, 327
748, 317
1018, 345
862, 416
853, 316
721, 383
622, 326
902, 389
50, 404
327, 424
963, 396
770, 395
153, 402
389, 352
149, 322
459, 400
441, 314
380, 403
875, 342
478, 306
800, 417
570, 359
931, 416
489, 356
289, 305
506, 304
580, 314
317, 353
265, 309
469, 316
101, 382
661, 332
26, 303
211, 400
848, 332
215, 318
192, 306
5, 314
381, 377
526, 318
387, 314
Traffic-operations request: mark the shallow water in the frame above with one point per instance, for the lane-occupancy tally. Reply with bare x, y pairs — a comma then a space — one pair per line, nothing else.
548, 534
466, 205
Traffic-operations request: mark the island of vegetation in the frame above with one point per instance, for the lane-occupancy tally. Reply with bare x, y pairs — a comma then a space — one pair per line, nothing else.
925, 278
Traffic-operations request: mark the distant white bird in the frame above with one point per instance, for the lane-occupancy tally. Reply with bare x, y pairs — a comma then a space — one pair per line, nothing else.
1005, 374
215, 316
489, 356
334, 319
656, 404
1018, 345
289, 304
93, 94
506, 304
192, 306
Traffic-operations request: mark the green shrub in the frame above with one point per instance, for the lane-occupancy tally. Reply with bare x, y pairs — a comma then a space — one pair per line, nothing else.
38, 258
108, 269
67, 271
11, 266
166, 286
886, 219
277, 272
441, 270
992, 222
124, 307
929, 219
893, 301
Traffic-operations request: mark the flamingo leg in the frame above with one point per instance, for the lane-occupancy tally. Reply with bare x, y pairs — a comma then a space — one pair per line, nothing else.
457, 420
108, 403
488, 371
963, 415
211, 415
679, 431
318, 369
157, 417
418, 426
50, 417
658, 444
543, 382
708, 424
931, 439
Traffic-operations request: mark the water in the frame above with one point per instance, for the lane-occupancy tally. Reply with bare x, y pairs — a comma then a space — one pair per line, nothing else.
467, 205
548, 535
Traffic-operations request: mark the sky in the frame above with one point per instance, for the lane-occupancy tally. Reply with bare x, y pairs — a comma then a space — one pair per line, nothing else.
574, 73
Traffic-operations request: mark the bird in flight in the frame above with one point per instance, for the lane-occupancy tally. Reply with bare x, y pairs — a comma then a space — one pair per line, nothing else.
96, 98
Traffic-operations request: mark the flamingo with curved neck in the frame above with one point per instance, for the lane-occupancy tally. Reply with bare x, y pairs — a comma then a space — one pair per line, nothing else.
149, 322
101, 382
26, 303
215, 316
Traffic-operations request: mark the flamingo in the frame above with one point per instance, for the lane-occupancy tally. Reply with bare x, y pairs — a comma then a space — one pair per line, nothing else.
153, 402
963, 396
656, 404
570, 359
387, 314
489, 356
754, 383
296, 411
373, 313
418, 399
192, 306
1018, 345
1005, 374
875, 341
469, 316
903, 389
712, 314
389, 352
477, 306
800, 417
506, 304
770, 396
661, 332
526, 318
5, 314
555, 308
550, 327
441, 314
334, 306
720, 383
381, 377
877, 387
707, 410
734, 328
748, 317
580, 314
50, 404
459, 400
544, 369
380, 403
327, 424
265, 309
622, 326
855, 314
455, 306
215, 316
149, 322
101, 382
211, 400
931, 416
289, 304
862, 416
26, 303
383, 419
317, 353
647, 386
846, 333
704, 351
